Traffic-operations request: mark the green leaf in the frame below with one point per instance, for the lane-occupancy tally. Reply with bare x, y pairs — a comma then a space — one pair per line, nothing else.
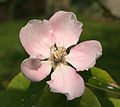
23, 93
42, 97
103, 81
10, 98
13, 95
109, 102
49, 99
19, 82
33, 93
115, 102
2, 1
101, 74
88, 99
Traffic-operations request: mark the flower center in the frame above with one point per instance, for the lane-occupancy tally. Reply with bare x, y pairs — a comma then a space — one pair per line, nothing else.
57, 54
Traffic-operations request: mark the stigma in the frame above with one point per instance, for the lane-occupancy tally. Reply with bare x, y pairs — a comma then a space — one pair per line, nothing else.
57, 54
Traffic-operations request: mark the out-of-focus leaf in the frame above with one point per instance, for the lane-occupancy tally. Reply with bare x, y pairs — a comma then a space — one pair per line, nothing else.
11, 98
42, 97
88, 99
49, 99
33, 93
110, 102
85, 75
19, 83
2, 1
13, 95
115, 102
23, 93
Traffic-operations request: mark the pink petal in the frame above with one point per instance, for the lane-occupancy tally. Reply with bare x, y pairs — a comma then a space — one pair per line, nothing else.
35, 70
84, 55
65, 80
36, 37
66, 28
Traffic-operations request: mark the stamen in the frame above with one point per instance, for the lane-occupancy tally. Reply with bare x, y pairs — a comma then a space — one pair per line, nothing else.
57, 53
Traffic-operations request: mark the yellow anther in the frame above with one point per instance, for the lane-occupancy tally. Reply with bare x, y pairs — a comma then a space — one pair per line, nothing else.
57, 53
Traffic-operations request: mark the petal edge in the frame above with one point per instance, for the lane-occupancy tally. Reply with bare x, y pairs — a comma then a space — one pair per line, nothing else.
35, 70
66, 28
36, 37
65, 80
84, 55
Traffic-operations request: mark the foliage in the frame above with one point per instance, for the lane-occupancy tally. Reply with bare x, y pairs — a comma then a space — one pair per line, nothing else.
23, 93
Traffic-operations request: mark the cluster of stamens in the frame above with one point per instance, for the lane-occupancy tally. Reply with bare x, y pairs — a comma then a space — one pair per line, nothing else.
57, 54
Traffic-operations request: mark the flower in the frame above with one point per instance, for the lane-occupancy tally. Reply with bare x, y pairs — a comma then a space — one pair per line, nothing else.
47, 41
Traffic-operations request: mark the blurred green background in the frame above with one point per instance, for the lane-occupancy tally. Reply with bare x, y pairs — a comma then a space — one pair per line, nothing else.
100, 22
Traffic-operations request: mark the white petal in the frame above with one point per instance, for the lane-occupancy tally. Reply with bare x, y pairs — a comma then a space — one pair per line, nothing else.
84, 55
65, 80
66, 28
36, 37
35, 70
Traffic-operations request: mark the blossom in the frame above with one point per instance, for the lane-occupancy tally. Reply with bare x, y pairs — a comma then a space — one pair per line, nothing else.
47, 42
